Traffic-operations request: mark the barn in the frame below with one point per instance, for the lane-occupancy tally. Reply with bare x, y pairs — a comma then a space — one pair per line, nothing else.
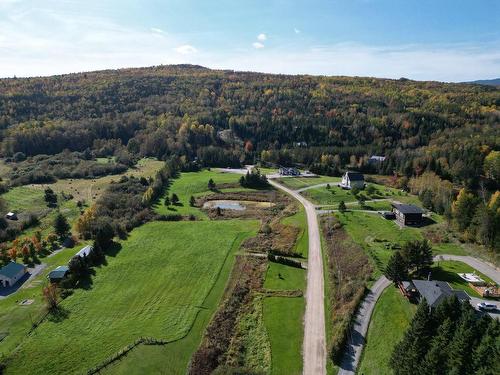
407, 214
11, 273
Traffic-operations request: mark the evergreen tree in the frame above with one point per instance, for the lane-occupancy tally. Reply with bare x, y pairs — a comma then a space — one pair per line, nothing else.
192, 201
460, 349
435, 360
486, 356
167, 201
396, 269
61, 226
211, 184
175, 199
418, 256
342, 207
407, 357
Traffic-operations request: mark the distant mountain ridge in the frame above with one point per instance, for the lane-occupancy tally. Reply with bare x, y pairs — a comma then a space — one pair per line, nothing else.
489, 82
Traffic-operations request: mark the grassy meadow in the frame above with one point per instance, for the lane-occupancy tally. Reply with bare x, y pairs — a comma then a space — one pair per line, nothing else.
391, 317
88, 190
195, 184
146, 289
302, 182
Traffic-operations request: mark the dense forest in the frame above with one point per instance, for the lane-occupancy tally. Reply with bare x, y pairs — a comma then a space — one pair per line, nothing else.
437, 137
226, 117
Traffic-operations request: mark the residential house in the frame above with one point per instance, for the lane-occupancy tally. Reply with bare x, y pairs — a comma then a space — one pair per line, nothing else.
433, 291
12, 273
353, 179
376, 159
407, 214
289, 171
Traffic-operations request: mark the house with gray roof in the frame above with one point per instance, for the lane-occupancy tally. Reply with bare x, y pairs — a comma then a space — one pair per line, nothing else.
11, 273
434, 291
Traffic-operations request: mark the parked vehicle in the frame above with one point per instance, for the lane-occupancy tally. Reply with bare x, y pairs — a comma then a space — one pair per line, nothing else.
486, 306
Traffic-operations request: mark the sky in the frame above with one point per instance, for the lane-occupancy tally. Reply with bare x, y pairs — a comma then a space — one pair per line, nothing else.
444, 40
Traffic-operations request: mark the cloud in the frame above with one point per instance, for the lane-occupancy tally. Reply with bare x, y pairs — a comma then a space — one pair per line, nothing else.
257, 45
186, 49
297, 31
262, 37
157, 30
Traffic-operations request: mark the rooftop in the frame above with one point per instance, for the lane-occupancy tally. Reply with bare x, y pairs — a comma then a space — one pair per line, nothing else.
11, 269
407, 208
58, 273
84, 252
435, 292
355, 176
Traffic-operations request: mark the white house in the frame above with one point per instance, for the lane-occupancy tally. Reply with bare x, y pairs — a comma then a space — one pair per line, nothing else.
11, 273
353, 179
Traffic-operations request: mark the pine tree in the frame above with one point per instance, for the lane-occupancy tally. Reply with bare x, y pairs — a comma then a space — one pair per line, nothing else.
211, 184
342, 207
192, 201
486, 356
167, 201
408, 354
61, 226
460, 358
396, 269
175, 199
435, 360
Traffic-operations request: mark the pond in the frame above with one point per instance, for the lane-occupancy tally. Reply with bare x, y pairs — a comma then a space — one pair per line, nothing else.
225, 205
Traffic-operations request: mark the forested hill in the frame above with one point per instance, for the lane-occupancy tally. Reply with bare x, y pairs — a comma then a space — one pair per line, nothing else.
324, 122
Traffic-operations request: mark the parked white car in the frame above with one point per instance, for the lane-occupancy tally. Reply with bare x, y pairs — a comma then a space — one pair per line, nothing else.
486, 306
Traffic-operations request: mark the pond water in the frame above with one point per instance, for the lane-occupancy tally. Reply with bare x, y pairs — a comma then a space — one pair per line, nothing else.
224, 205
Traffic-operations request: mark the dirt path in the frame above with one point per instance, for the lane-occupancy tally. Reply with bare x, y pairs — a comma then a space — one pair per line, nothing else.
314, 346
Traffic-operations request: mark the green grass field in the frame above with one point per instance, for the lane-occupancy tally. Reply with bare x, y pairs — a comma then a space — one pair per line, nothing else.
25, 199
374, 233
302, 182
281, 277
195, 184
281, 317
146, 289
16, 320
390, 319
299, 220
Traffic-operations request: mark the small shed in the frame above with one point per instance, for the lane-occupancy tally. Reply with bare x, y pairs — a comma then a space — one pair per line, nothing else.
407, 214
58, 274
11, 273
11, 216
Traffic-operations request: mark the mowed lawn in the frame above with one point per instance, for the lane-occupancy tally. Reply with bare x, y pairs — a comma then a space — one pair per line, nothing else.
282, 277
302, 182
146, 289
283, 320
25, 199
377, 235
195, 184
391, 317
299, 220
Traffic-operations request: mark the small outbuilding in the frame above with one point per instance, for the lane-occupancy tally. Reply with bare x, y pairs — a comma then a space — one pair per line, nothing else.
289, 171
376, 159
84, 252
12, 273
407, 214
58, 274
11, 216
353, 179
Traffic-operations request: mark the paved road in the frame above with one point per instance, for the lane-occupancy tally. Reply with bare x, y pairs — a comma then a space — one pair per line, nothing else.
357, 336
486, 268
314, 346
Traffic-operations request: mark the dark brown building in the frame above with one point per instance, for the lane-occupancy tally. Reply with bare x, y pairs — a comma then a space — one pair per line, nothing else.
407, 214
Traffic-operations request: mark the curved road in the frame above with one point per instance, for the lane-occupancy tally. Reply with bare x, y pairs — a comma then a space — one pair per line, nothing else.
357, 337
314, 346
